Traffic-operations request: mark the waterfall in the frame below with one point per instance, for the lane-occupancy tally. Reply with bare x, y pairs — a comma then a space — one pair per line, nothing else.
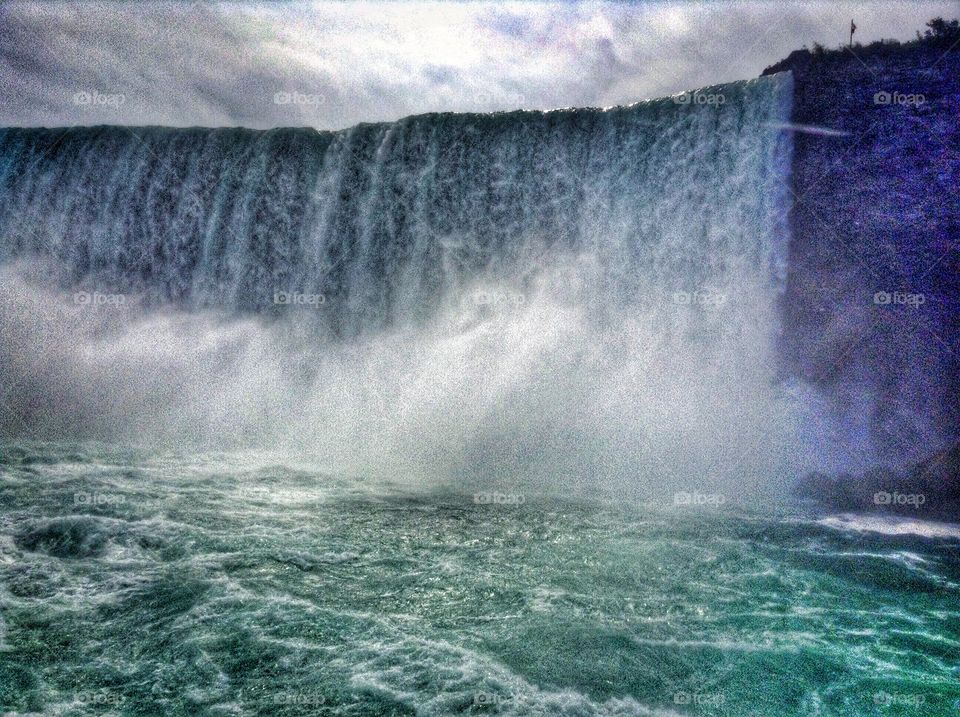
383, 220
630, 259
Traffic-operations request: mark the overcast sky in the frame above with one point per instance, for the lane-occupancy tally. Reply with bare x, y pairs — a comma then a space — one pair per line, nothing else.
333, 64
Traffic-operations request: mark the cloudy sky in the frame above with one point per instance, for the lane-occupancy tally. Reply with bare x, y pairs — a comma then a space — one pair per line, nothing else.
333, 64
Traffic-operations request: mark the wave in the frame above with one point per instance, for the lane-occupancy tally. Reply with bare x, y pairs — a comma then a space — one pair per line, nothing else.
891, 525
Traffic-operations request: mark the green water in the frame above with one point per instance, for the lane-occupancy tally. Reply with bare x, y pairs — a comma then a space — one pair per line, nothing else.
241, 584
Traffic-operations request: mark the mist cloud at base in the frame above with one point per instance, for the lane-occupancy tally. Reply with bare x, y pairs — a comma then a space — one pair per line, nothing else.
529, 390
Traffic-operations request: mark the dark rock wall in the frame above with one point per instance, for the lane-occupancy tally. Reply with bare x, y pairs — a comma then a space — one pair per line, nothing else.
871, 309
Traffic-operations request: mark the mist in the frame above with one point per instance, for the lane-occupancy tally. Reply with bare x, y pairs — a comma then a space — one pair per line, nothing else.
502, 388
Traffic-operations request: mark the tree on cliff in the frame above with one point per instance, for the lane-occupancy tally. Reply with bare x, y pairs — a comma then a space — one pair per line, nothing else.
942, 31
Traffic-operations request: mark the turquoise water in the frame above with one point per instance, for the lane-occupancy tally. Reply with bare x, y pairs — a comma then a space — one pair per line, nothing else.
167, 583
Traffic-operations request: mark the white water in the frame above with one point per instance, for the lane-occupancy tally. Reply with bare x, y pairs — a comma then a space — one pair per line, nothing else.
891, 525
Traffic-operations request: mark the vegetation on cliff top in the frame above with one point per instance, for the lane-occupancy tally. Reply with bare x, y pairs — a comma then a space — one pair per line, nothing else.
940, 33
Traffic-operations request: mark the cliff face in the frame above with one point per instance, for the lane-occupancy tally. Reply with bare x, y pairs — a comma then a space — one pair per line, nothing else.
871, 307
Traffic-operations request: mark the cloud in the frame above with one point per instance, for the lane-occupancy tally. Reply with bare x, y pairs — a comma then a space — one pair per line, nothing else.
339, 63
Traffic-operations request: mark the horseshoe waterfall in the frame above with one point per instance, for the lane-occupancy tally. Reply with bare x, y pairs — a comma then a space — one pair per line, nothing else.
606, 279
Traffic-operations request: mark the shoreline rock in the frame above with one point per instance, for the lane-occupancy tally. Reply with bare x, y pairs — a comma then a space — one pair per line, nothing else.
927, 490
